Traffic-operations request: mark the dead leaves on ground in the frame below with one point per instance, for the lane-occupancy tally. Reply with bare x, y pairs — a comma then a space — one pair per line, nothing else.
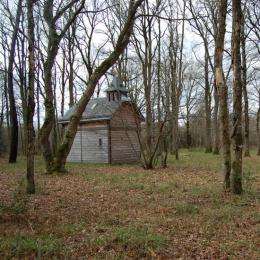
91, 209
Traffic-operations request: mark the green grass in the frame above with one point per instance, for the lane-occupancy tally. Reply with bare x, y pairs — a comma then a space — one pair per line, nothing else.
198, 159
224, 214
132, 237
112, 179
186, 209
167, 187
19, 203
20, 165
140, 237
71, 228
44, 245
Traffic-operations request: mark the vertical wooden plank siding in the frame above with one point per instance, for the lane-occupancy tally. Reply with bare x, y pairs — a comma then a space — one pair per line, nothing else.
125, 146
75, 152
109, 142
80, 132
92, 151
90, 144
124, 141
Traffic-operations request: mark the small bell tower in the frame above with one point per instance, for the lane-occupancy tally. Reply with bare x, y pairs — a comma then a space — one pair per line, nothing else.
117, 91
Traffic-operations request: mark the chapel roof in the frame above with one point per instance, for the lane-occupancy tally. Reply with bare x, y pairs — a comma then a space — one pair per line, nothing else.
97, 109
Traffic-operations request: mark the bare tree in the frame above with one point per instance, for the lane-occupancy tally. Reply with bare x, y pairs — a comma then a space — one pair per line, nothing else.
54, 39
4, 46
31, 100
13, 112
244, 78
207, 98
255, 99
146, 56
258, 127
20, 70
223, 91
177, 93
237, 140
190, 100
258, 120
205, 16
2, 101
253, 14
71, 34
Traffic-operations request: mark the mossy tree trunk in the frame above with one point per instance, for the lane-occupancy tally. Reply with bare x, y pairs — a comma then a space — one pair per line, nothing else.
223, 92
30, 101
237, 140
53, 46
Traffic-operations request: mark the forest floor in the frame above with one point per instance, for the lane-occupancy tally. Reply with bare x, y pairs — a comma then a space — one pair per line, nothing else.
124, 211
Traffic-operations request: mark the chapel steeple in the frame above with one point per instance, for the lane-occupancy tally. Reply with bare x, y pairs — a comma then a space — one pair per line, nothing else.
116, 90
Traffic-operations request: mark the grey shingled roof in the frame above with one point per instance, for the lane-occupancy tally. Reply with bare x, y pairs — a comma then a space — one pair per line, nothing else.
97, 109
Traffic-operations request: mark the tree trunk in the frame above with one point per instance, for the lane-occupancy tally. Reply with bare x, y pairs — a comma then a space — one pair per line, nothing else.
38, 86
175, 132
49, 117
215, 121
1, 127
159, 95
30, 101
23, 145
223, 92
166, 99
208, 139
22, 70
173, 83
258, 129
179, 89
71, 63
6, 98
38, 109
63, 83
147, 91
244, 80
188, 135
237, 142
13, 112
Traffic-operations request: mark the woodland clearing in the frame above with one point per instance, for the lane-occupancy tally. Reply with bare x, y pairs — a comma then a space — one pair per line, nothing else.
124, 211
